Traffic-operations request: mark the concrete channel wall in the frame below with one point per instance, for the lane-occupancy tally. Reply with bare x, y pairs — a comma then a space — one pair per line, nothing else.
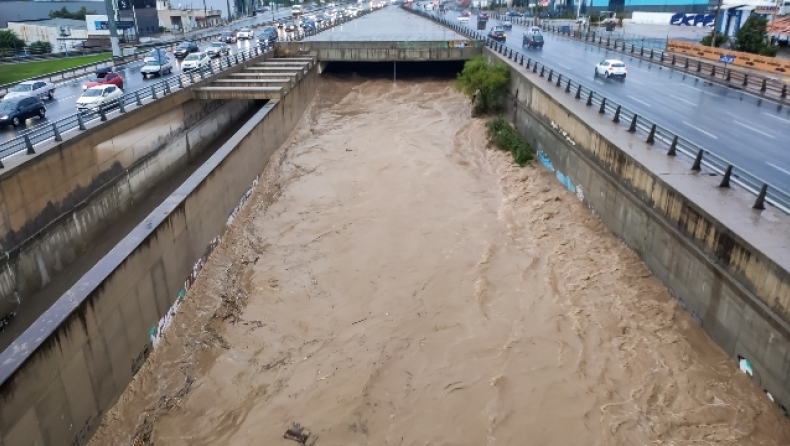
732, 288
116, 173
69, 368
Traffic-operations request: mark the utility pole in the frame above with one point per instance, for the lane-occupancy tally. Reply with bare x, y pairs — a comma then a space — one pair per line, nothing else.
230, 16
716, 24
116, 46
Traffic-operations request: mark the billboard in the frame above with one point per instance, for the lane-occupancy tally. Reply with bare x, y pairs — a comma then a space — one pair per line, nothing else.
98, 25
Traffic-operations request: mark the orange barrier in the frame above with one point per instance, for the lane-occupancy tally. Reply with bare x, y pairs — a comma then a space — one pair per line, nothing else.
748, 60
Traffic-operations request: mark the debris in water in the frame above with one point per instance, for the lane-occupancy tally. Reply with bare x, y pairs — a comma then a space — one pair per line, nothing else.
297, 433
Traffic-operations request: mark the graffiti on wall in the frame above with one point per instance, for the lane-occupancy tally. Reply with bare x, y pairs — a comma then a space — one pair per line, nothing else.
681, 19
156, 331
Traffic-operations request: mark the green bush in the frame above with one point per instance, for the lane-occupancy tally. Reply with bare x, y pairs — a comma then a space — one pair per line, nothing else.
769, 50
40, 47
484, 83
752, 34
720, 39
502, 135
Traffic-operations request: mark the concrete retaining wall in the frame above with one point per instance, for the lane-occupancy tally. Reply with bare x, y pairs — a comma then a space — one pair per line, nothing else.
735, 290
382, 51
144, 157
65, 371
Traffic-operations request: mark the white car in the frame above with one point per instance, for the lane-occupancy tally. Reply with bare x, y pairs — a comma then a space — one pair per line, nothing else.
463, 18
245, 33
101, 96
158, 67
28, 89
611, 68
296, 11
217, 49
195, 61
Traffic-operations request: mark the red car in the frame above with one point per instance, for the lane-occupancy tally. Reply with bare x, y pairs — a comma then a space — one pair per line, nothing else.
104, 76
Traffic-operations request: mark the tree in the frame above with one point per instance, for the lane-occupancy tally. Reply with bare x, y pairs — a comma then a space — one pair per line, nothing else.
484, 83
64, 13
10, 41
752, 35
40, 47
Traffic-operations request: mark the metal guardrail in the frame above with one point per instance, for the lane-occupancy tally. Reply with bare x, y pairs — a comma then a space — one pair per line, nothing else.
677, 145
763, 86
54, 130
169, 44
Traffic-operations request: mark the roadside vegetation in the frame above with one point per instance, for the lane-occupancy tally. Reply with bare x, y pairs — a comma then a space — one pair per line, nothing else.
485, 84
505, 137
14, 72
752, 37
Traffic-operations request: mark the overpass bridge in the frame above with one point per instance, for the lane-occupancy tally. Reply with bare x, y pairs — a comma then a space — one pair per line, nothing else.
93, 339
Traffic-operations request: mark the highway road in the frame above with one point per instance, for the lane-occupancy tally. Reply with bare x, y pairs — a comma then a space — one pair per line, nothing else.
751, 133
66, 93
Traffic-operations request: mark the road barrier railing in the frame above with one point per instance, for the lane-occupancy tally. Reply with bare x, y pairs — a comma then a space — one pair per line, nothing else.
760, 85
48, 131
142, 49
701, 159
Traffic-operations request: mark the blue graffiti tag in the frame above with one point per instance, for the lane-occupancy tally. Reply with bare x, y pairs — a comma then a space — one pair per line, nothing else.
544, 159
566, 181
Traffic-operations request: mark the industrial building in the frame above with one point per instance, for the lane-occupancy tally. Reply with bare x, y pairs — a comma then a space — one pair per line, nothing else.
63, 34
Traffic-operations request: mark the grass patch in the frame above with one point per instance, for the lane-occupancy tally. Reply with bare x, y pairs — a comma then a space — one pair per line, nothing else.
19, 71
501, 134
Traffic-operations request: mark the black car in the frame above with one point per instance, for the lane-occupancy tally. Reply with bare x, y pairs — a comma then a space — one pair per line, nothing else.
532, 40
515, 14
16, 111
498, 35
186, 48
268, 34
228, 37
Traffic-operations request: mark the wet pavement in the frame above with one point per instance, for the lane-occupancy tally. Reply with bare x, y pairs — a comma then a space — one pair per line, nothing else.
394, 281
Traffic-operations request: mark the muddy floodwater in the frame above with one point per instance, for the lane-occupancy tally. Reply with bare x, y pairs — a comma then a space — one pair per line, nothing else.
393, 281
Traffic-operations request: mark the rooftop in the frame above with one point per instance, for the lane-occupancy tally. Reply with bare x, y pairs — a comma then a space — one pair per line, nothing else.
55, 23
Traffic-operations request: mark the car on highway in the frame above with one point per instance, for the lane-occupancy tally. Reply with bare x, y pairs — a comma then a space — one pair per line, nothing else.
268, 34
157, 67
42, 89
104, 76
184, 49
497, 34
463, 18
103, 96
506, 25
309, 26
195, 61
582, 21
611, 68
514, 14
532, 40
228, 37
320, 19
246, 34
155, 55
17, 110
482, 16
296, 10
217, 49
290, 26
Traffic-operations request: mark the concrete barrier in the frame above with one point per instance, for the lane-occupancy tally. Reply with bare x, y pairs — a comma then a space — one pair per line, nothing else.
65, 371
364, 51
729, 269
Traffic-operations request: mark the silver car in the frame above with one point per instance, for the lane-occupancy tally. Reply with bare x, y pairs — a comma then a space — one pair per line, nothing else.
217, 49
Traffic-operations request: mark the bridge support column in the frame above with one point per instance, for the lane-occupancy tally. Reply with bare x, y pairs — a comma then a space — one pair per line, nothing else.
322, 66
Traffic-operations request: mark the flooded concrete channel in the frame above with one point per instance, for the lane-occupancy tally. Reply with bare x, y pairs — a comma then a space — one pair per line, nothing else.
394, 281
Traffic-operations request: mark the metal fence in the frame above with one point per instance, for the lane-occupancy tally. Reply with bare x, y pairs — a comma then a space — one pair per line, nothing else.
757, 84
54, 130
142, 49
677, 146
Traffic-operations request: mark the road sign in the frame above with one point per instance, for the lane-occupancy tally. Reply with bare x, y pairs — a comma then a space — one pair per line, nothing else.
727, 58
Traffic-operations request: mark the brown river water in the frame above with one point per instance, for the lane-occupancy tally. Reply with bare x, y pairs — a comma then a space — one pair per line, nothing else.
393, 281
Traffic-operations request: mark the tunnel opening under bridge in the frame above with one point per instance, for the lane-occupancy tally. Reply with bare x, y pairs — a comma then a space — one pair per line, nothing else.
428, 70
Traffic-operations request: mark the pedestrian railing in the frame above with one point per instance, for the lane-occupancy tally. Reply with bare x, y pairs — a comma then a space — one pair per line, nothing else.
47, 131
700, 158
760, 85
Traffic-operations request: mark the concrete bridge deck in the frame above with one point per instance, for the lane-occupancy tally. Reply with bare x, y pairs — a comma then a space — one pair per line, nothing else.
390, 35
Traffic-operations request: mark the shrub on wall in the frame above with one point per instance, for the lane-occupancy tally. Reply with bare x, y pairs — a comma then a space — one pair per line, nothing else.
484, 83
502, 135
